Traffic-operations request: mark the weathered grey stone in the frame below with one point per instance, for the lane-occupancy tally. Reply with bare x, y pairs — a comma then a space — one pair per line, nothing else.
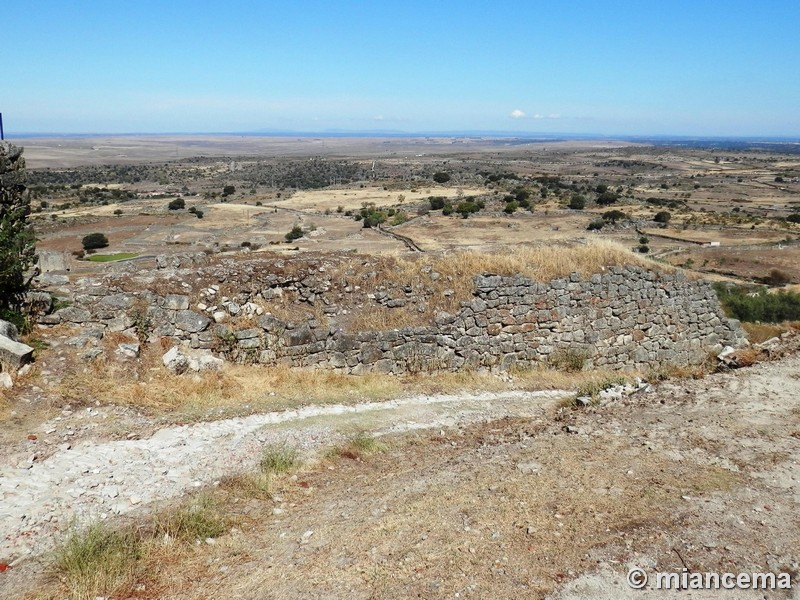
246, 334
9, 330
14, 354
92, 354
269, 322
73, 314
191, 322
296, 337
53, 279
176, 302
128, 350
118, 301
249, 343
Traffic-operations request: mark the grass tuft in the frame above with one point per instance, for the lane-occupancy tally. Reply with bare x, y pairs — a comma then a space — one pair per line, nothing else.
197, 520
277, 459
98, 561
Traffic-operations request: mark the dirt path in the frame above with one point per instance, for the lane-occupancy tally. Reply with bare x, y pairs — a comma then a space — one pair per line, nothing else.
102, 480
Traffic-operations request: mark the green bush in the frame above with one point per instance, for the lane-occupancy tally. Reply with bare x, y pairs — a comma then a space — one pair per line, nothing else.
295, 234
759, 306
441, 177
437, 202
662, 217
466, 208
577, 202
607, 198
612, 216
177, 204
93, 241
595, 225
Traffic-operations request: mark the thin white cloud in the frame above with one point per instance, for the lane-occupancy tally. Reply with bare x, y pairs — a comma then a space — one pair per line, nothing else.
518, 114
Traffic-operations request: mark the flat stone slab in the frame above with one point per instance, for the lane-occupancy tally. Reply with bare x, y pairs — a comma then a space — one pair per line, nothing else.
14, 354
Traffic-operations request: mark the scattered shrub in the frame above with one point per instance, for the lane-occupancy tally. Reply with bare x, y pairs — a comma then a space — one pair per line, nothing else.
778, 278
295, 234
612, 216
93, 241
577, 202
437, 202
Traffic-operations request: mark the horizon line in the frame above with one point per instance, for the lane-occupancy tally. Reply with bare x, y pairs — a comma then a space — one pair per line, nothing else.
503, 134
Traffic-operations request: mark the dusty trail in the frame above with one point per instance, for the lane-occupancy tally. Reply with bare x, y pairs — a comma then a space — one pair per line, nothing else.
101, 480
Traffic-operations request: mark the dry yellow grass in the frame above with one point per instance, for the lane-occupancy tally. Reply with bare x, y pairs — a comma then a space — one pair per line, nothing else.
542, 263
761, 332
457, 270
242, 389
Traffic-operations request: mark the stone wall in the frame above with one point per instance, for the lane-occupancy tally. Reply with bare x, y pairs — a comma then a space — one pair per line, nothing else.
626, 317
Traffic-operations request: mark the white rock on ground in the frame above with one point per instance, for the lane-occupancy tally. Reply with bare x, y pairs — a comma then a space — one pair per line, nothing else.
175, 360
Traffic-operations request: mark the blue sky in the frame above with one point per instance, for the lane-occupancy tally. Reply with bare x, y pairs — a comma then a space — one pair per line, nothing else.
704, 67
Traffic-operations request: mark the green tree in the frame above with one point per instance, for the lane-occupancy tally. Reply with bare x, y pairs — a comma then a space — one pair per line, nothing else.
662, 217
228, 190
17, 240
577, 202
177, 204
612, 216
441, 177
437, 202
607, 198
93, 241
